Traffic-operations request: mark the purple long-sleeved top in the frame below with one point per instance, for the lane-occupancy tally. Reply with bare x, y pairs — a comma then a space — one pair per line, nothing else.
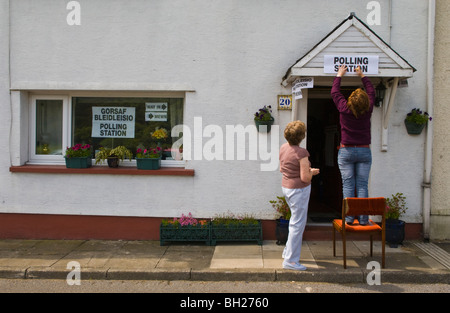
354, 131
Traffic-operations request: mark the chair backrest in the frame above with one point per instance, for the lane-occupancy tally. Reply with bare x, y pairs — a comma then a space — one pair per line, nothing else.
364, 206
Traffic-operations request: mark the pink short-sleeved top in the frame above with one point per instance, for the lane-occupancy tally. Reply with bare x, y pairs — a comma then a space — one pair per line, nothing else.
290, 157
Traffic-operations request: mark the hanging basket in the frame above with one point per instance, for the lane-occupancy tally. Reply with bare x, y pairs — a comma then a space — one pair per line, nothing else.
268, 123
414, 128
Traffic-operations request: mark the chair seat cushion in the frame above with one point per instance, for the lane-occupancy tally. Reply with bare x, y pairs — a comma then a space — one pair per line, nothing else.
355, 227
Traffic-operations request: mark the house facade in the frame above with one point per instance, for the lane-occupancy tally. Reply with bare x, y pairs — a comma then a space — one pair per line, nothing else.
110, 73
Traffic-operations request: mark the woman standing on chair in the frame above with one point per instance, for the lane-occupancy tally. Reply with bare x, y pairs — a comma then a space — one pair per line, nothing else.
355, 156
296, 186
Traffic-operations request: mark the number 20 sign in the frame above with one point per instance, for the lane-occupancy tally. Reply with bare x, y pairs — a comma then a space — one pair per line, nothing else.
285, 102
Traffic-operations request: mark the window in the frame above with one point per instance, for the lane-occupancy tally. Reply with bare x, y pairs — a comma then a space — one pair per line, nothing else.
112, 122
103, 122
48, 133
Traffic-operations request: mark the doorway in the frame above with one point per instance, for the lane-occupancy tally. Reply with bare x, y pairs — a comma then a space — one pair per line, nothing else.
323, 139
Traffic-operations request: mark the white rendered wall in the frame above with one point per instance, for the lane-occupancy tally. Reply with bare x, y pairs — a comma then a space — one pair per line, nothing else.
233, 54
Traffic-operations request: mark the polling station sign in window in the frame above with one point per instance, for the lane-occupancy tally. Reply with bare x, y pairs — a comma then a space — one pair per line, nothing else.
113, 122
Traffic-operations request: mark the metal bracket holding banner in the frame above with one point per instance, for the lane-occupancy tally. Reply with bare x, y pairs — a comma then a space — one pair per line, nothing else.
388, 104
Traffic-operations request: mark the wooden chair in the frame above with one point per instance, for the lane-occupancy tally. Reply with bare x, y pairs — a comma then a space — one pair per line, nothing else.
361, 206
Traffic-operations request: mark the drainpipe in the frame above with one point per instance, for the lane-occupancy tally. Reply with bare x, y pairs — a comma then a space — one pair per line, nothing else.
429, 133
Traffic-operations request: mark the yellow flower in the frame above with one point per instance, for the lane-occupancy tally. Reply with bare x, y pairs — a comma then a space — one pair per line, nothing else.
160, 133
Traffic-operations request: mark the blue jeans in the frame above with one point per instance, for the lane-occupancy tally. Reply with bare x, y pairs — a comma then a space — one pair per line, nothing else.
354, 164
298, 200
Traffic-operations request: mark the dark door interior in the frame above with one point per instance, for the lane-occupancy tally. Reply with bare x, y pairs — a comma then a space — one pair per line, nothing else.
323, 138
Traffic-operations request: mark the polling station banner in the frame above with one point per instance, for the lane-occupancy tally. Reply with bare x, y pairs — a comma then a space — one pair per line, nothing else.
113, 122
368, 63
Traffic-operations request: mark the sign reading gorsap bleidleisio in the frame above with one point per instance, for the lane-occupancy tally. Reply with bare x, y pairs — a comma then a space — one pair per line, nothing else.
113, 122
301, 83
368, 63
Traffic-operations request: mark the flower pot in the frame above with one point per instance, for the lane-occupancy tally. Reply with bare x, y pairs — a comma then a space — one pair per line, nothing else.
113, 162
83, 162
268, 123
414, 128
236, 232
148, 163
395, 232
282, 231
184, 233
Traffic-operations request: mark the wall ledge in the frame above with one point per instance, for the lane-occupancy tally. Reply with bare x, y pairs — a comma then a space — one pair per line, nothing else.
124, 170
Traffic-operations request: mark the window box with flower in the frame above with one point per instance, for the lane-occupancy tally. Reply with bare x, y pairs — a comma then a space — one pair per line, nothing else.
185, 228
148, 159
264, 119
416, 120
78, 156
235, 228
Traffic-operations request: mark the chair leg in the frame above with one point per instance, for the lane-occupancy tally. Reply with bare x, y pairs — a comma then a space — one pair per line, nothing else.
371, 245
334, 241
344, 249
383, 249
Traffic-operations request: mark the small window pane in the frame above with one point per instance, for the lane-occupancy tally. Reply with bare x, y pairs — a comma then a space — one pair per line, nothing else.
49, 127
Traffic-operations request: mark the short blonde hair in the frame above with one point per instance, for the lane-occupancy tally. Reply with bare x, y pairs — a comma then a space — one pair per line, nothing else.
295, 132
358, 102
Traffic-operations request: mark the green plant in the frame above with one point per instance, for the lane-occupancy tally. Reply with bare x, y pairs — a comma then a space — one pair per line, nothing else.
395, 206
264, 114
230, 219
120, 152
152, 153
419, 117
281, 207
78, 151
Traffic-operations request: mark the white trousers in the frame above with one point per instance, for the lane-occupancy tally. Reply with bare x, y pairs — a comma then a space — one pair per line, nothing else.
298, 200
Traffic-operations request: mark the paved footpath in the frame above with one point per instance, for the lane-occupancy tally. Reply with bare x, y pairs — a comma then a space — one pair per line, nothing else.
413, 262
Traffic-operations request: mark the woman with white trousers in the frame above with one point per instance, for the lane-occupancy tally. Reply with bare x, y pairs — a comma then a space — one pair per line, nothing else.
296, 185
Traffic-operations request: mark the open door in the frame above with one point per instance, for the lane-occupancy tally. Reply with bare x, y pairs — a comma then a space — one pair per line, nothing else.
323, 139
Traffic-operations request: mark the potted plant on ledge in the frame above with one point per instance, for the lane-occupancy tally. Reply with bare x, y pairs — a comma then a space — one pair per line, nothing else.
78, 156
395, 228
148, 159
113, 156
416, 120
284, 214
264, 118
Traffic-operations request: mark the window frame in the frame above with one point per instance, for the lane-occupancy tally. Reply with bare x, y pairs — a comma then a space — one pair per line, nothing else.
35, 158
67, 123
